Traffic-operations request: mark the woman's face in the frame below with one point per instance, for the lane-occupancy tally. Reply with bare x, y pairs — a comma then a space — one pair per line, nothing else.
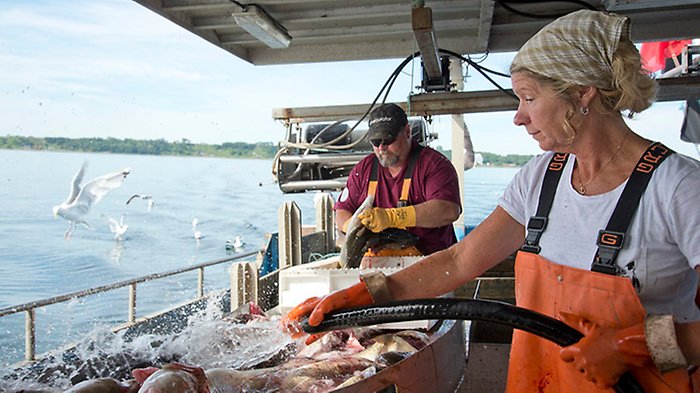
541, 112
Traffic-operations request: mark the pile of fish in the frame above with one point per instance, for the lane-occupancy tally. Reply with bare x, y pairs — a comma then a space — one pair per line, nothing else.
244, 352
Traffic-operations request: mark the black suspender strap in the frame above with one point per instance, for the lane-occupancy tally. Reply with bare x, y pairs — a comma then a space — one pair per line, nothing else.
611, 240
537, 223
408, 174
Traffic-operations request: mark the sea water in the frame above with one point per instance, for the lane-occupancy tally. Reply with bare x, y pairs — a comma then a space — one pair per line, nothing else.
229, 198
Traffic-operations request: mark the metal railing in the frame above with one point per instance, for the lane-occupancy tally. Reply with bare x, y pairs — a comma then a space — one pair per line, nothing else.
30, 313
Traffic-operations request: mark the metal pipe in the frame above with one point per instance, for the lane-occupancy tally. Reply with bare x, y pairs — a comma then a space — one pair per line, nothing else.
91, 291
331, 158
29, 335
132, 303
200, 283
30, 308
304, 185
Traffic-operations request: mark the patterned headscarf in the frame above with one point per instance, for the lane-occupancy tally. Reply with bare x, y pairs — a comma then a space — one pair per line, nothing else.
576, 48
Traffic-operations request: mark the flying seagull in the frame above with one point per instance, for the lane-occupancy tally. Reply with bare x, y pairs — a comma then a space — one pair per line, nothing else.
82, 197
118, 228
148, 198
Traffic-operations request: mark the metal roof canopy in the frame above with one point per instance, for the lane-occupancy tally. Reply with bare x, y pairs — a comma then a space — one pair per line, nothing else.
339, 30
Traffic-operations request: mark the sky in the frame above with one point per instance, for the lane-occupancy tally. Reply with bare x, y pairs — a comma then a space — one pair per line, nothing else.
112, 68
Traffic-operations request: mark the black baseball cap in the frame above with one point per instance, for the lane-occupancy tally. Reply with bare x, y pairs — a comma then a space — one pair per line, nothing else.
386, 121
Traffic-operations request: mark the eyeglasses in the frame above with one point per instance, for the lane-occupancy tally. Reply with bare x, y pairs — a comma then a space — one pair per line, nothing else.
379, 142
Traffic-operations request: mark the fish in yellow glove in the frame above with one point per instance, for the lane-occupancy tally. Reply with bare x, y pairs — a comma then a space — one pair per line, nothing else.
378, 219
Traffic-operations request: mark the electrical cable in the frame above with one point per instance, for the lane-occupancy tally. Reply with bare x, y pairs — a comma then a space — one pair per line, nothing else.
244, 7
504, 4
386, 88
482, 70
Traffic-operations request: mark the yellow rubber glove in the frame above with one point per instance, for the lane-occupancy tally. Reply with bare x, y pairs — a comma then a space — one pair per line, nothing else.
378, 219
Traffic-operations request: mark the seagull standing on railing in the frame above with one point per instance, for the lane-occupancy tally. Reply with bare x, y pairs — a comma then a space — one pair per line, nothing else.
83, 197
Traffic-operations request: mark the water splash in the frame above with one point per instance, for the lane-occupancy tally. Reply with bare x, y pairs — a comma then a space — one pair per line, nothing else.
209, 340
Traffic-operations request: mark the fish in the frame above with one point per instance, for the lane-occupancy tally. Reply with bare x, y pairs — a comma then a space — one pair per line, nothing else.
386, 343
105, 385
174, 378
298, 375
351, 251
359, 239
247, 312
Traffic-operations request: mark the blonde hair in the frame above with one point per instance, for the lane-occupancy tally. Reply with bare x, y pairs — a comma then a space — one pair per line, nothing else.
632, 91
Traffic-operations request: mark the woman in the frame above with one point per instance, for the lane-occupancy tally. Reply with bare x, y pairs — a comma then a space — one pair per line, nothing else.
637, 309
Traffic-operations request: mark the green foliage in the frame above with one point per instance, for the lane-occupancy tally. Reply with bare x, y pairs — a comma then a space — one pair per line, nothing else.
507, 160
132, 146
491, 159
186, 148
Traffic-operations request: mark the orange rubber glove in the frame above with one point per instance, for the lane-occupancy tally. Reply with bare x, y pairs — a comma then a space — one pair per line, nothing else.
378, 219
354, 296
605, 353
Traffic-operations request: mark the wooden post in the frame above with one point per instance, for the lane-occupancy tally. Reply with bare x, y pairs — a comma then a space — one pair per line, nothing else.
289, 222
325, 219
244, 284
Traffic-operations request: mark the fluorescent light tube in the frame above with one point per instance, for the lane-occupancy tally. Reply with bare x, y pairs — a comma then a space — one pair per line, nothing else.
262, 26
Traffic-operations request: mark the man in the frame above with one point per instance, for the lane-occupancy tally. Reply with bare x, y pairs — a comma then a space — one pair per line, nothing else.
414, 187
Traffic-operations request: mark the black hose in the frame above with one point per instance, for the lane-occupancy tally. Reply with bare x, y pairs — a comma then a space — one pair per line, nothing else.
462, 309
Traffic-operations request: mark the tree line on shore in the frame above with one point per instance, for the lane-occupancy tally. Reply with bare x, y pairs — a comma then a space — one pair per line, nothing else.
186, 148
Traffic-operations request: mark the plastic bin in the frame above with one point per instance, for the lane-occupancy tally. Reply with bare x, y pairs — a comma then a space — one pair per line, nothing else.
320, 278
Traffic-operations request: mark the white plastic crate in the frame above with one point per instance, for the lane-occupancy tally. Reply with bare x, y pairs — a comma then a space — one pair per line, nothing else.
320, 278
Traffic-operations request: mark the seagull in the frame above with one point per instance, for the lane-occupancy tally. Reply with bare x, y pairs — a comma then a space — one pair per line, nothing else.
197, 234
82, 197
148, 198
237, 244
118, 228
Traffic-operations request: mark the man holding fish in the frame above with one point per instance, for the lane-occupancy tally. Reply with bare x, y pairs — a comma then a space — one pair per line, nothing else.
414, 187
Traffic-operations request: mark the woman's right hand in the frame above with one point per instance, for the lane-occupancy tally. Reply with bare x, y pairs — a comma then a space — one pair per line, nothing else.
290, 322
355, 296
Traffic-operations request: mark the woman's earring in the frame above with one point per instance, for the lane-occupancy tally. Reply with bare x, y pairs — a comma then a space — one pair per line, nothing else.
583, 110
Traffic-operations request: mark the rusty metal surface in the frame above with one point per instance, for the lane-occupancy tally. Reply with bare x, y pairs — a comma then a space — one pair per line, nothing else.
438, 367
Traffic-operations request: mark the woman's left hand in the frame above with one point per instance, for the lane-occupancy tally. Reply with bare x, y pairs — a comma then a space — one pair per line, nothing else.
605, 353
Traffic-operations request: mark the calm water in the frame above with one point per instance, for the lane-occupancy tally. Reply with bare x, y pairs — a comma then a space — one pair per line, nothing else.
229, 197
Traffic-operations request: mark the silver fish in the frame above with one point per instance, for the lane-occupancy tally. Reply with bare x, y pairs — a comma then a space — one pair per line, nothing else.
359, 239
104, 385
355, 238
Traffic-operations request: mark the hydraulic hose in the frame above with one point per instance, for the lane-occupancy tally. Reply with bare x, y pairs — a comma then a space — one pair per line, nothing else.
462, 309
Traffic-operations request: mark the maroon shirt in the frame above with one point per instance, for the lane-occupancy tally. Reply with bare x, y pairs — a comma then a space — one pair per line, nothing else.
434, 177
